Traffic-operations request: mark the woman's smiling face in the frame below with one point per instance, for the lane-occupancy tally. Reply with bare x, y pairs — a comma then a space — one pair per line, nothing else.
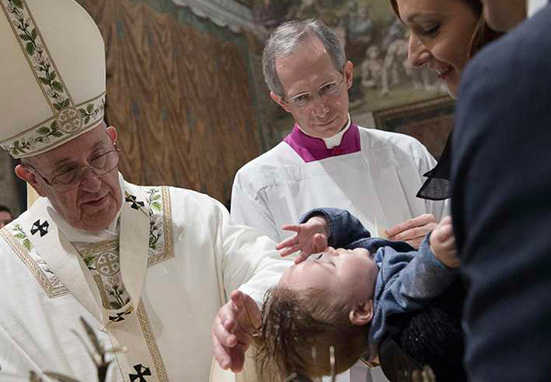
441, 32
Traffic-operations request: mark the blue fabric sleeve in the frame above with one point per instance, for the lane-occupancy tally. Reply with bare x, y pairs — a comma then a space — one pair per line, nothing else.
407, 281
344, 227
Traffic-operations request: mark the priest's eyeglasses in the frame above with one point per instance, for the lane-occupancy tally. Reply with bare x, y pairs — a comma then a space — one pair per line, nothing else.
71, 179
302, 101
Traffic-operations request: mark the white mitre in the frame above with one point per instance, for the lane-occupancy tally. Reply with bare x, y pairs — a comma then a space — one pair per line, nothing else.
52, 74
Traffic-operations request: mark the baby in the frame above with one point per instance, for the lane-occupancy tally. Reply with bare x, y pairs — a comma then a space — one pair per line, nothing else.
338, 301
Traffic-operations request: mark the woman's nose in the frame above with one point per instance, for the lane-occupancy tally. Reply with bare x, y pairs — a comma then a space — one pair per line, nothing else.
418, 54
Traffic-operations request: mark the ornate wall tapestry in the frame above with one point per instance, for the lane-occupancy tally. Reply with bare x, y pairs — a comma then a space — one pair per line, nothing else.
178, 91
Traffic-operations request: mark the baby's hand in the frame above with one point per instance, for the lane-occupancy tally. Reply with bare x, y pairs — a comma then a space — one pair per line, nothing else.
311, 237
442, 243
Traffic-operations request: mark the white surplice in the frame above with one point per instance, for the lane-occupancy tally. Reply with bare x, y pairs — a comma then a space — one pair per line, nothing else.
377, 184
194, 255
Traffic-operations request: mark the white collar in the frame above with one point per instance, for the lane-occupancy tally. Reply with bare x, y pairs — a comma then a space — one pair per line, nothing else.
336, 139
533, 6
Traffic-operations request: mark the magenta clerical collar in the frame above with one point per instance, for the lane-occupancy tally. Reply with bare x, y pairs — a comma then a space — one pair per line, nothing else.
311, 149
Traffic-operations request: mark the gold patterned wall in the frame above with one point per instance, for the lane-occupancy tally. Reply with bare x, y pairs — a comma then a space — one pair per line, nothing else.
179, 97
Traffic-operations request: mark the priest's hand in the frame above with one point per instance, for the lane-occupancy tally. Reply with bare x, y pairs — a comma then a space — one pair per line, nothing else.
310, 237
232, 330
412, 231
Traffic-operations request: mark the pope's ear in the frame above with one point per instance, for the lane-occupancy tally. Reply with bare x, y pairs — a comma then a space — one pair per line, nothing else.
112, 133
277, 99
25, 174
362, 313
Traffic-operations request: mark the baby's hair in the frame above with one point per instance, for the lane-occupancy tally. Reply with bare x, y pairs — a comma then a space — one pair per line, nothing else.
299, 327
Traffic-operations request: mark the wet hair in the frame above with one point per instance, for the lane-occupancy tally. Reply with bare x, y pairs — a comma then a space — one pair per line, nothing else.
483, 33
286, 40
299, 328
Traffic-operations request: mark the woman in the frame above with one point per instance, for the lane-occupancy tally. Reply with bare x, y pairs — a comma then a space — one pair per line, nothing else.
444, 35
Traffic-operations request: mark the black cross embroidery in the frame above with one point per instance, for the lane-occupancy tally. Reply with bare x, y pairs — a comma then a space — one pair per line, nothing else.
120, 316
42, 228
141, 371
135, 203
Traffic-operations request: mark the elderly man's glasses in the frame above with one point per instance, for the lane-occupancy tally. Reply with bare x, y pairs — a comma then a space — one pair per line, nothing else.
71, 179
302, 101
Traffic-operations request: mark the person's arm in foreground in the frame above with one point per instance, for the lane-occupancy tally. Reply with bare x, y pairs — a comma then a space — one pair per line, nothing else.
249, 262
502, 205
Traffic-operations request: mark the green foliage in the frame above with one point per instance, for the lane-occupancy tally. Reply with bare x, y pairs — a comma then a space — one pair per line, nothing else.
30, 48
44, 130
57, 86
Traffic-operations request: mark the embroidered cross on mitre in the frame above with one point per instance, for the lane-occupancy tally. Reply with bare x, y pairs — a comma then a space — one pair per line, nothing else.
40, 227
141, 372
136, 204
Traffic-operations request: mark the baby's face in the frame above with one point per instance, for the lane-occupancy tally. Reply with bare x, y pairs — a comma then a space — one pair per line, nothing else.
348, 273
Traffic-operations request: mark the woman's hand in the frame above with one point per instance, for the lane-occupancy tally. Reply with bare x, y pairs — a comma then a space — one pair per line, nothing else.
311, 237
442, 243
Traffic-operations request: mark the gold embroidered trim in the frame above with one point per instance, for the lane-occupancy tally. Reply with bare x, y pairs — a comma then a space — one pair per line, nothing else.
60, 290
152, 343
67, 118
103, 295
30, 41
57, 129
50, 290
168, 252
104, 246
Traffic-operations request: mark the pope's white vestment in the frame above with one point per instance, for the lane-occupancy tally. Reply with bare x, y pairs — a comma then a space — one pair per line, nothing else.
377, 183
195, 258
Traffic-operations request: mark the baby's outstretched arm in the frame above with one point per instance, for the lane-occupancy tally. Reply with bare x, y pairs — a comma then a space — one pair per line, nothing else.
310, 237
442, 243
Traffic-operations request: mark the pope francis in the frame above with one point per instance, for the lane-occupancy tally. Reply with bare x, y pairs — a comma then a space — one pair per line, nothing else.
147, 267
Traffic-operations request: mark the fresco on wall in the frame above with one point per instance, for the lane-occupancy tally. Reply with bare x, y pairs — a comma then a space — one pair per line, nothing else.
375, 41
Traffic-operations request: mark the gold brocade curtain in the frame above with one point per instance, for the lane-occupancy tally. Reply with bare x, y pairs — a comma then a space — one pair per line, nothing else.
179, 97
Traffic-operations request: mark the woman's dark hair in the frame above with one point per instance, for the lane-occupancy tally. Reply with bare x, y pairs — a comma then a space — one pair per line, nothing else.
483, 33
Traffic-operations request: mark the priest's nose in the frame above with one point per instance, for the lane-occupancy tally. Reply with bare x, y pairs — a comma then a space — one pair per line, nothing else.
319, 108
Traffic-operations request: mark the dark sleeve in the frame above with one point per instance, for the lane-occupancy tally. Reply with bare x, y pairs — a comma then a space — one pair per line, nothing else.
344, 227
501, 205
